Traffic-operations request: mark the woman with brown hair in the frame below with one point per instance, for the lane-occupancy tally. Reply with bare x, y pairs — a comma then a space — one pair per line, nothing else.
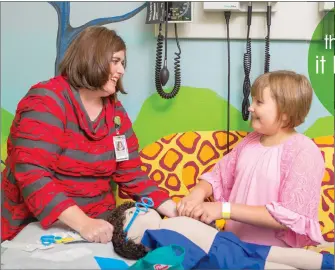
61, 147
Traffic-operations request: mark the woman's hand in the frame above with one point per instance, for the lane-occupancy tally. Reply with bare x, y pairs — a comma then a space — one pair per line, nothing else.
97, 230
93, 230
207, 212
168, 208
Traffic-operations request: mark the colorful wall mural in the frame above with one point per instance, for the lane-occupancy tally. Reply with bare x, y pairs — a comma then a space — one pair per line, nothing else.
179, 138
35, 35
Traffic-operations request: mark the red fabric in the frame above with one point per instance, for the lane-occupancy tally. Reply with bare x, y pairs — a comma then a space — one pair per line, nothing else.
62, 144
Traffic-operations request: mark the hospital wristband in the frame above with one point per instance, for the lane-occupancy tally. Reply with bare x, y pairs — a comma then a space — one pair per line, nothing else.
226, 209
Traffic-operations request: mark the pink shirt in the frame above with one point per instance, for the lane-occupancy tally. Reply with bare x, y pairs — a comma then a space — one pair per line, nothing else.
285, 178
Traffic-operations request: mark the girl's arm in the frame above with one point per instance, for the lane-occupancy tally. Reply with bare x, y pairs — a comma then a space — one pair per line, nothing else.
295, 213
254, 215
217, 182
202, 190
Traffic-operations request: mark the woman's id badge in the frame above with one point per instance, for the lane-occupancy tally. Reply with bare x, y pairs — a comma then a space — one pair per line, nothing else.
121, 149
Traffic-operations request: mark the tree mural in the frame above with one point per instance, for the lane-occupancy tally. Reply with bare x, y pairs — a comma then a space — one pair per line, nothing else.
66, 33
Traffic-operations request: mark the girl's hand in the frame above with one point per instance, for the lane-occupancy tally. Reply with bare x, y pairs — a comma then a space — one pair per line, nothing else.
200, 192
207, 212
186, 205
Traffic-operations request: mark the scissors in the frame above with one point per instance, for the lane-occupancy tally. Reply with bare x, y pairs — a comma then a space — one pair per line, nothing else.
47, 240
143, 206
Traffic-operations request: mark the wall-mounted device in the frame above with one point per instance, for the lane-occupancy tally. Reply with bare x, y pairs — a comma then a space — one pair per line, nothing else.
209, 23
160, 13
327, 21
326, 6
178, 12
228, 8
238, 6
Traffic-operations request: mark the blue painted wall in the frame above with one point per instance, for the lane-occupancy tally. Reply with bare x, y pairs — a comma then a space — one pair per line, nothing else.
28, 53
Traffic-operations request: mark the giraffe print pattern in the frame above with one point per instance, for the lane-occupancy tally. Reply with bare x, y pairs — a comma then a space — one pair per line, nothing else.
176, 161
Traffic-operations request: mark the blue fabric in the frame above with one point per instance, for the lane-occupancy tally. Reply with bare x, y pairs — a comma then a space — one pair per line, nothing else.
327, 261
109, 263
159, 238
227, 251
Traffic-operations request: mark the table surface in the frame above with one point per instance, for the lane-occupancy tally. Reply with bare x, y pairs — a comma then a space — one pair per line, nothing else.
19, 259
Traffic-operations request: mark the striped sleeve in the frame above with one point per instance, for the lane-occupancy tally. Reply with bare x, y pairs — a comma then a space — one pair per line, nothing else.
129, 176
35, 146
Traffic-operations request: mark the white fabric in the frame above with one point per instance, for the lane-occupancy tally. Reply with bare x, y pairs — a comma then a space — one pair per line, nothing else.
61, 256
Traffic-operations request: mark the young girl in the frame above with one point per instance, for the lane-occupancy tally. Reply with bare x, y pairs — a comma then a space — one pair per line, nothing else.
268, 187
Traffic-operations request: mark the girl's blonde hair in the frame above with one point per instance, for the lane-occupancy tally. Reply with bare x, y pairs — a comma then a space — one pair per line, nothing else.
292, 92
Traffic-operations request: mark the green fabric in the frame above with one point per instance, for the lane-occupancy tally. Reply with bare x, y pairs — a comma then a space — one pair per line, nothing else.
169, 257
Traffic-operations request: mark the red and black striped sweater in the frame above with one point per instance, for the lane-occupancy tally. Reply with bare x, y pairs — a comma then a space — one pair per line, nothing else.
58, 157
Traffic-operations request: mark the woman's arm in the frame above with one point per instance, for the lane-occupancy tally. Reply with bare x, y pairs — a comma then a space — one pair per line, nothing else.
168, 208
73, 217
131, 179
34, 145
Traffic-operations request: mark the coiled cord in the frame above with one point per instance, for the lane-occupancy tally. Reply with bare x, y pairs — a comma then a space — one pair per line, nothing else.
227, 15
177, 70
267, 40
247, 70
